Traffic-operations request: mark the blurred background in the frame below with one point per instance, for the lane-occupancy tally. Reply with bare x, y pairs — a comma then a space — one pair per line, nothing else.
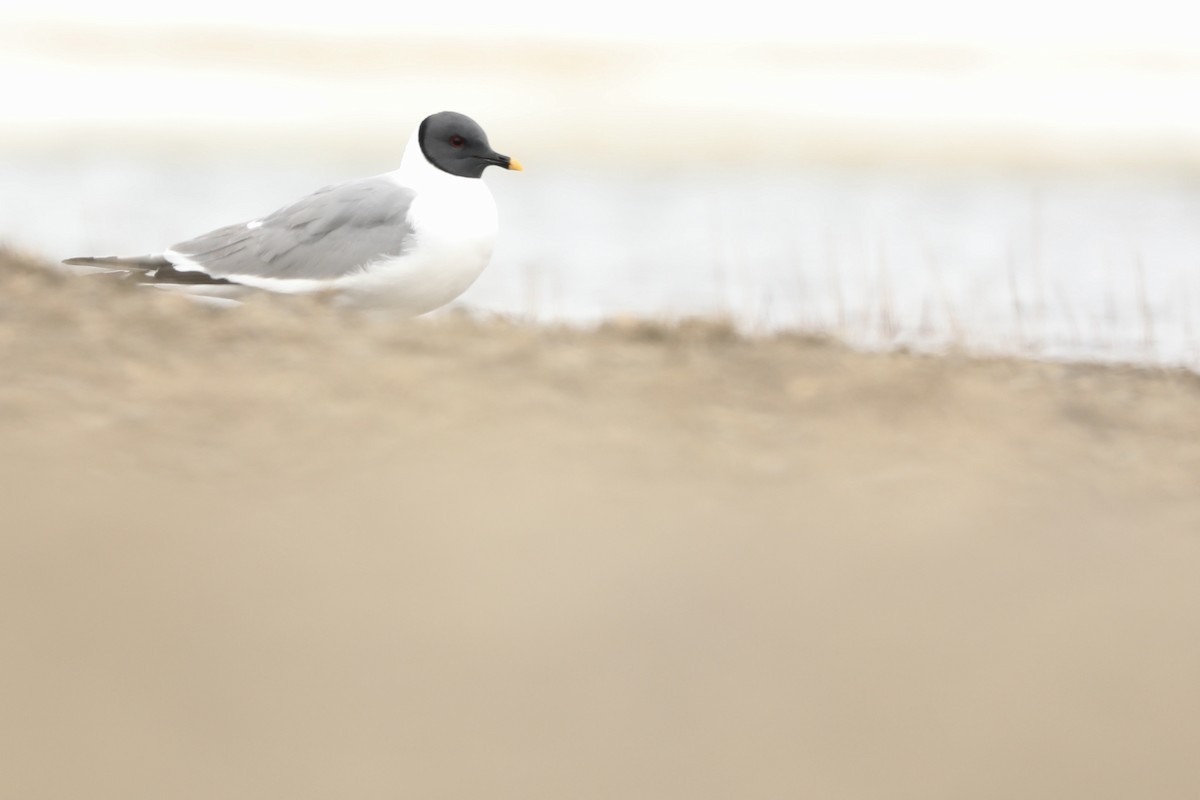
1023, 179
288, 552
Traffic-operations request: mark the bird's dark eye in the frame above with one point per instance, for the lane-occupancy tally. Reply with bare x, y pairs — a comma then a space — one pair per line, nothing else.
457, 141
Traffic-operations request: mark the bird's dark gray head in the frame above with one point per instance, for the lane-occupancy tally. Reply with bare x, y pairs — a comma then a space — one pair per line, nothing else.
455, 143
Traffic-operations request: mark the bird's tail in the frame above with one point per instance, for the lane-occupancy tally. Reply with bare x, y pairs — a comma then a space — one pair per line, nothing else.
145, 263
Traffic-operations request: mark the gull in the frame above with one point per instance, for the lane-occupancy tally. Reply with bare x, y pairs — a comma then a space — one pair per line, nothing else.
410, 240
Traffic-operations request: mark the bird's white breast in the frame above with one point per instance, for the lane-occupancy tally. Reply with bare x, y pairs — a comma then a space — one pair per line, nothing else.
454, 227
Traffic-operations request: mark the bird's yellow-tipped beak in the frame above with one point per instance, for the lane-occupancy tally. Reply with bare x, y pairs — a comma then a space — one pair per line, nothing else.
514, 164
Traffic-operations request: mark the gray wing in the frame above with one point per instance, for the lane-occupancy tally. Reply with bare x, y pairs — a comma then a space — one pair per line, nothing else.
326, 235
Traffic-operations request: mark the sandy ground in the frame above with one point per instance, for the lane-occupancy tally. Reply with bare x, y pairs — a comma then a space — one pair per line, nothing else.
285, 552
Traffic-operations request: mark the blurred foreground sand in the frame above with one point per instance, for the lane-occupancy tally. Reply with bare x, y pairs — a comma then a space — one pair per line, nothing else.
285, 552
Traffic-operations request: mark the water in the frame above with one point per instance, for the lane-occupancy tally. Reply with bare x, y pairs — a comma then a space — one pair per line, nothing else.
1057, 266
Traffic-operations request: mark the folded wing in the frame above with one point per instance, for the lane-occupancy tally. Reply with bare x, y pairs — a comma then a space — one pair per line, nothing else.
329, 234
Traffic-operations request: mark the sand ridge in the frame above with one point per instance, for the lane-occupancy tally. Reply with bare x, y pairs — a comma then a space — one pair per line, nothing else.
288, 551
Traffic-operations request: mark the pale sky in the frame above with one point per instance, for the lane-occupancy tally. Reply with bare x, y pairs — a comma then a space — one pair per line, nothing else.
1054, 78
1149, 23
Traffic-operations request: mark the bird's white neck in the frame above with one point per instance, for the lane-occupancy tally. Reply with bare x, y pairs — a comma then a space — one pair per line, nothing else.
416, 172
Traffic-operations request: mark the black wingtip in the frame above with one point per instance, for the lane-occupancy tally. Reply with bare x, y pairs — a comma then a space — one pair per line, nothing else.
143, 263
